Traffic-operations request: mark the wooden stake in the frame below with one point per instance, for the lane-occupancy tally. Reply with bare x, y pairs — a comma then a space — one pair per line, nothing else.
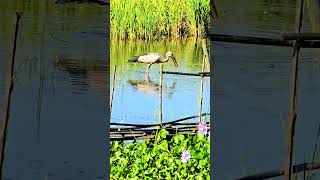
6, 116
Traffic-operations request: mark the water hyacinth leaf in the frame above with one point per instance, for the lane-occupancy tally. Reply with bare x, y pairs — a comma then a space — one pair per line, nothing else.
153, 159
164, 145
163, 133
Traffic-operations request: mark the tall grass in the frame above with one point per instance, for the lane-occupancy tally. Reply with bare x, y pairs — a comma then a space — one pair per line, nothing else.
151, 19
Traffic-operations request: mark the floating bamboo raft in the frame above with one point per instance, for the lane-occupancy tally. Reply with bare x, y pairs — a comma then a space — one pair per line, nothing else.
123, 131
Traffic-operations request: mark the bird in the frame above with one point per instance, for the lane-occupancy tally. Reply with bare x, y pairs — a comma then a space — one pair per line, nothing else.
153, 58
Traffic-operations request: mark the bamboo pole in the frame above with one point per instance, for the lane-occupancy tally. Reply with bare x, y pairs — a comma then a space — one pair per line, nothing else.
167, 124
292, 115
204, 44
300, 36
206, 74
160, 93
148, 134
261, 41
6, 116
113, 82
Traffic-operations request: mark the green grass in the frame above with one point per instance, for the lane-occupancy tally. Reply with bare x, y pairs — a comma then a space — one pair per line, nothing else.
152, 19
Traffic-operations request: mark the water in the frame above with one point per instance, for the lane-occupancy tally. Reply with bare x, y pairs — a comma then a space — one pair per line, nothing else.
136, 98
64, 139
250, 92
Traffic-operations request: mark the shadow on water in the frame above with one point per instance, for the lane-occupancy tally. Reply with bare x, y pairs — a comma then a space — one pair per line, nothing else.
73, 106
250, 95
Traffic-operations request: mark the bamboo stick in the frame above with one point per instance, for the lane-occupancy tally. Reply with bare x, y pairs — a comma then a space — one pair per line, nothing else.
187, 74
261, 41
6, 116
142, 129
204, 44
146, 136
280, 172
113, 82
300, 36
160, 93
125, 131
293, 93
154, 125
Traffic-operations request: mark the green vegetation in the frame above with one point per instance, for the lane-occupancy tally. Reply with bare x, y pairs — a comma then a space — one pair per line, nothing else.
160, 158
37, 12
140, 19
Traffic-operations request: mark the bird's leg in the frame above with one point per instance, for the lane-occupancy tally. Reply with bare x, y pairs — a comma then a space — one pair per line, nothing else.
147, 70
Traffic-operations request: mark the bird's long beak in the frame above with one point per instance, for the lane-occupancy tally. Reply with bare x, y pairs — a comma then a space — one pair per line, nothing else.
174, 61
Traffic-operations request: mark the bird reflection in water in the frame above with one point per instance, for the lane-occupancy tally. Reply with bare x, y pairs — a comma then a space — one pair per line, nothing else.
151, 87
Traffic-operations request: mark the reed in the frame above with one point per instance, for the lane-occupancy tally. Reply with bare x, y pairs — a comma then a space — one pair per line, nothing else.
139, 19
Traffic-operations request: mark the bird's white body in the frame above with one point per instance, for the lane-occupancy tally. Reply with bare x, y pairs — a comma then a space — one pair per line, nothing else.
151, 58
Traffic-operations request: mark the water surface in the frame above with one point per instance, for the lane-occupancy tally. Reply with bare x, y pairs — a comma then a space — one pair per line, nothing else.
250, 92
63, 137
136, 97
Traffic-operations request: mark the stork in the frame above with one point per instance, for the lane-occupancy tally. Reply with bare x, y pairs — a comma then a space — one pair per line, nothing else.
153, 58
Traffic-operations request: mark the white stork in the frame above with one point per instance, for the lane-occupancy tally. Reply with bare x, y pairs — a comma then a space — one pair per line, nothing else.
153, 58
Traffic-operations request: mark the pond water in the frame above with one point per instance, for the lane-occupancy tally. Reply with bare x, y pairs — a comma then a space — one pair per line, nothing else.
62, 139
250, 91
136, 97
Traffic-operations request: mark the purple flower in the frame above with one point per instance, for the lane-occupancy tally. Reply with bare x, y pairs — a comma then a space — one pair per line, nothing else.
202, 128
185, 156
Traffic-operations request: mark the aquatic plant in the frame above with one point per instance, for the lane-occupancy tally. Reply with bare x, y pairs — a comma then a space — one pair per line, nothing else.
164, 157
185, 156
139, 19
202, 128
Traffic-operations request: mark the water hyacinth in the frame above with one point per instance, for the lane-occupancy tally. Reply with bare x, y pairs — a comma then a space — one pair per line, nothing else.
202, 128
185, 156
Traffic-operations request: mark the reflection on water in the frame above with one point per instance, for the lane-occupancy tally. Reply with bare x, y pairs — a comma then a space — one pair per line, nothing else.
73, 102
250, 95
136, 97
150, 87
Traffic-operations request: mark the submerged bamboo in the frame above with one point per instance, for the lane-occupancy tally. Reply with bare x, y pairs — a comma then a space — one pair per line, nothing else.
6, 116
